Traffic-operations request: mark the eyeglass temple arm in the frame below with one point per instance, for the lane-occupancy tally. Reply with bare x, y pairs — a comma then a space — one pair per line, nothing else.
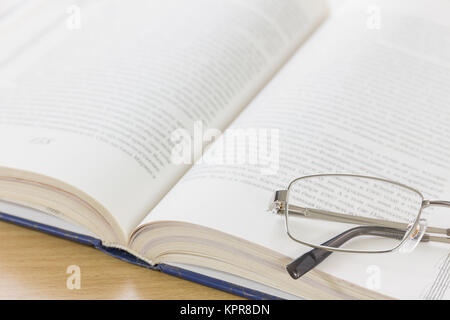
339, 217
313, 258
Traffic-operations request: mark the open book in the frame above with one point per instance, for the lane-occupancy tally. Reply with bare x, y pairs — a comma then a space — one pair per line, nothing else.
95, 97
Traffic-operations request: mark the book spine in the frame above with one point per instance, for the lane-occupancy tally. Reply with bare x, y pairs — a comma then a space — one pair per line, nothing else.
128, 257
216, 283
86, 240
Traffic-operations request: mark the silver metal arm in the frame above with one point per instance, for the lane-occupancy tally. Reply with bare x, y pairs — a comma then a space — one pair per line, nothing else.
279, 205
345, 218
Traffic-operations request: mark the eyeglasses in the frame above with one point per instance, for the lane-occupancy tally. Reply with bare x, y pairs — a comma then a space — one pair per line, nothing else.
355, 214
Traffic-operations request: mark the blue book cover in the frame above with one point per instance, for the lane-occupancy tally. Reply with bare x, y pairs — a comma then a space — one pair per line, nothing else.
126, 256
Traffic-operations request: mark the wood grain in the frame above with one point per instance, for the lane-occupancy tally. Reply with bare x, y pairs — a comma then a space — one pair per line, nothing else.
33, 265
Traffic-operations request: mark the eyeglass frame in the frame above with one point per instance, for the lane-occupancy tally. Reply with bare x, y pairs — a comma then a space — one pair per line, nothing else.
281, 206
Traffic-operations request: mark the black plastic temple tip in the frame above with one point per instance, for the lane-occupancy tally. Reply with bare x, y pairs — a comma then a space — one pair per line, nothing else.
313, 258
306, 262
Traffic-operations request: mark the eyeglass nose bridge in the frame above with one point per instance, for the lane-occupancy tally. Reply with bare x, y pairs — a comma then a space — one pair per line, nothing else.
413, 237
437, 203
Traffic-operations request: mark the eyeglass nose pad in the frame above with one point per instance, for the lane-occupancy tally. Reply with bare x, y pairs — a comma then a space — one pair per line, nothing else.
415, 237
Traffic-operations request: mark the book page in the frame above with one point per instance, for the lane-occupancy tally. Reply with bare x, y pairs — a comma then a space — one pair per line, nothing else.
367, 95
92, 93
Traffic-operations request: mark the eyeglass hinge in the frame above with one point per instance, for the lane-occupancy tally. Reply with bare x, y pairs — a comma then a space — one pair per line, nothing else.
278, 202
426, 203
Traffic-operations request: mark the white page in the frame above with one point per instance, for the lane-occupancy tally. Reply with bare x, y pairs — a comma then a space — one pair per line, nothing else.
42, 217
354, 99
106, 87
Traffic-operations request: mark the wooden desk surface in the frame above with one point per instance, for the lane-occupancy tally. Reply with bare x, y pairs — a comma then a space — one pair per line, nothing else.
33, 265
